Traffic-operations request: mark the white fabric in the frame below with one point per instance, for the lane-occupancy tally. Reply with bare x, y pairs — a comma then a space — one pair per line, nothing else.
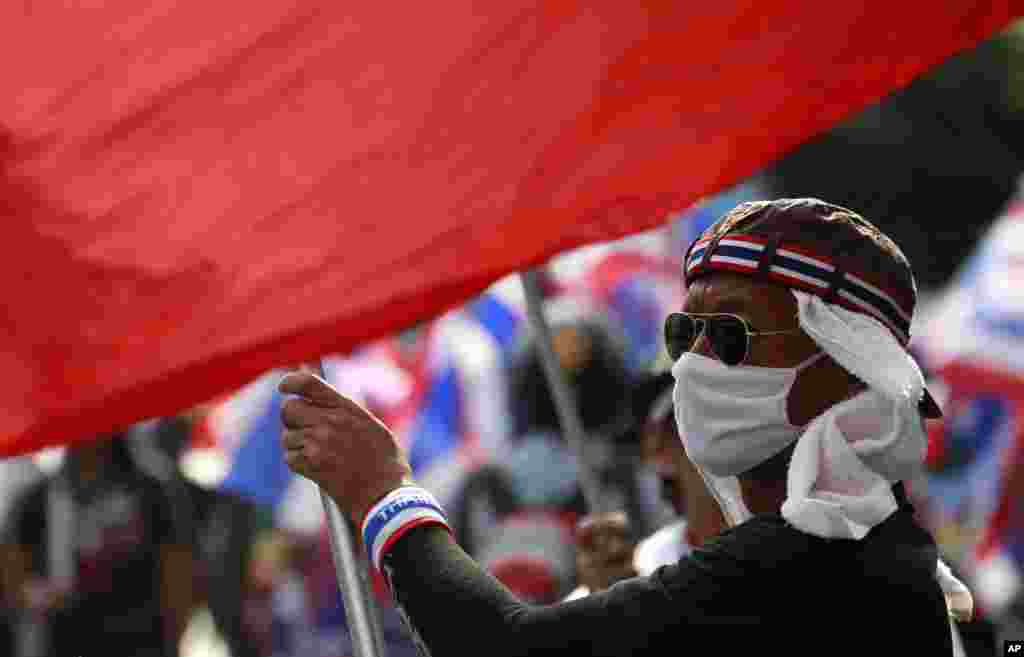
845, 462
662, 548
832, 490
958, 597
577, 593
863, 346
731, 418
728, 495
848, 458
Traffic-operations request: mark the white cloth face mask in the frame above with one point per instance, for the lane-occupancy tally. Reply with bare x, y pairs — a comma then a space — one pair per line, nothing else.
732, 418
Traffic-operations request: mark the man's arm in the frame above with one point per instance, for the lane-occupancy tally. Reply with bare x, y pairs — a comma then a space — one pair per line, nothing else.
455, 607
453, 604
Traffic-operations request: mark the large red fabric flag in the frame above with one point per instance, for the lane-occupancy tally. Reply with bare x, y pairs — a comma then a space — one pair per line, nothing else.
193, 192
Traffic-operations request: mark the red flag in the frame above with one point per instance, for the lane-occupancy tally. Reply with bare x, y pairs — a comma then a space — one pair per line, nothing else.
194, 192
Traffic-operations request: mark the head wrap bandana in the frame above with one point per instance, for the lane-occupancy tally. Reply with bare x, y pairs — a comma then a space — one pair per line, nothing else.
816, 247
855, 295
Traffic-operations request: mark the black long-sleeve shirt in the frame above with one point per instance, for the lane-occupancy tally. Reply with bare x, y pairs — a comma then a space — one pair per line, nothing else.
762, 587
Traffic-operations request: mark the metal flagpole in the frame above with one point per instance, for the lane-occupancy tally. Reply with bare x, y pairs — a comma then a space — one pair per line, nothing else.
366, 636
353, 580
565, 405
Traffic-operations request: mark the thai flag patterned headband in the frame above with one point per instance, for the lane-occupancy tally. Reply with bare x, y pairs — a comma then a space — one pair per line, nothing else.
796, 267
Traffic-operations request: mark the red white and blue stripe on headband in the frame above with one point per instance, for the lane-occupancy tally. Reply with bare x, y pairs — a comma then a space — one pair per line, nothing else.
398, 512
796, 267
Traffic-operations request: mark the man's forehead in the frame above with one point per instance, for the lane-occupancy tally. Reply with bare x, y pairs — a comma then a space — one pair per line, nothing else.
718, 287
726, 292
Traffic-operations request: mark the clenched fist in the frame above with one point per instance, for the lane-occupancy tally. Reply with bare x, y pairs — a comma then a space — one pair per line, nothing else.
338, 444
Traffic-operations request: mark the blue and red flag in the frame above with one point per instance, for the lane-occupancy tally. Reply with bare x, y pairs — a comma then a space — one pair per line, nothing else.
442, 390
973, 342
460, 416
235, 446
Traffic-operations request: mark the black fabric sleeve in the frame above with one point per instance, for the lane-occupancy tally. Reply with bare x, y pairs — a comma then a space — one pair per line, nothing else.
454, 607
762, 583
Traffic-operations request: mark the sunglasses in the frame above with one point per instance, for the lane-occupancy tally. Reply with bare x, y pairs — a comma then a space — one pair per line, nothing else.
729, 335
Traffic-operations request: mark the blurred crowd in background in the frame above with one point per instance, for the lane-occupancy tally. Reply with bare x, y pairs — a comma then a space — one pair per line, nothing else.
188, 535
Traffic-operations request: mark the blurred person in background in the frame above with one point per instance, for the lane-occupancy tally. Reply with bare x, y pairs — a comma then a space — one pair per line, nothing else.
605, 553
124, 566
541, 460
327, 633
276, 611
517, 514
222, 527
538, 469
532, 553
225, 544
796, 400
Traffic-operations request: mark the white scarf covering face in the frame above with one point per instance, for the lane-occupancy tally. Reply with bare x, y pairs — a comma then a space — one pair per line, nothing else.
847, 459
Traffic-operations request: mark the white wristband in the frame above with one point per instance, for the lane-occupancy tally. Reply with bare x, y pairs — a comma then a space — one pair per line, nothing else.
399, 511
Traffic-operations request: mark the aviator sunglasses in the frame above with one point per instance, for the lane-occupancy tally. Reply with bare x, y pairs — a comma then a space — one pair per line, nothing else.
729, 335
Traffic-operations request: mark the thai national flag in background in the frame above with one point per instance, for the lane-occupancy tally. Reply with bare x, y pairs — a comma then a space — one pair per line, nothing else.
236, 448
442, 391
972, 341
257, 468
461, 415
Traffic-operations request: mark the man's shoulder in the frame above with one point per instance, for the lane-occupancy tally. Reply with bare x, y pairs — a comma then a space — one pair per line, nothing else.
770, 543
762, 533
760, 546
765, 572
